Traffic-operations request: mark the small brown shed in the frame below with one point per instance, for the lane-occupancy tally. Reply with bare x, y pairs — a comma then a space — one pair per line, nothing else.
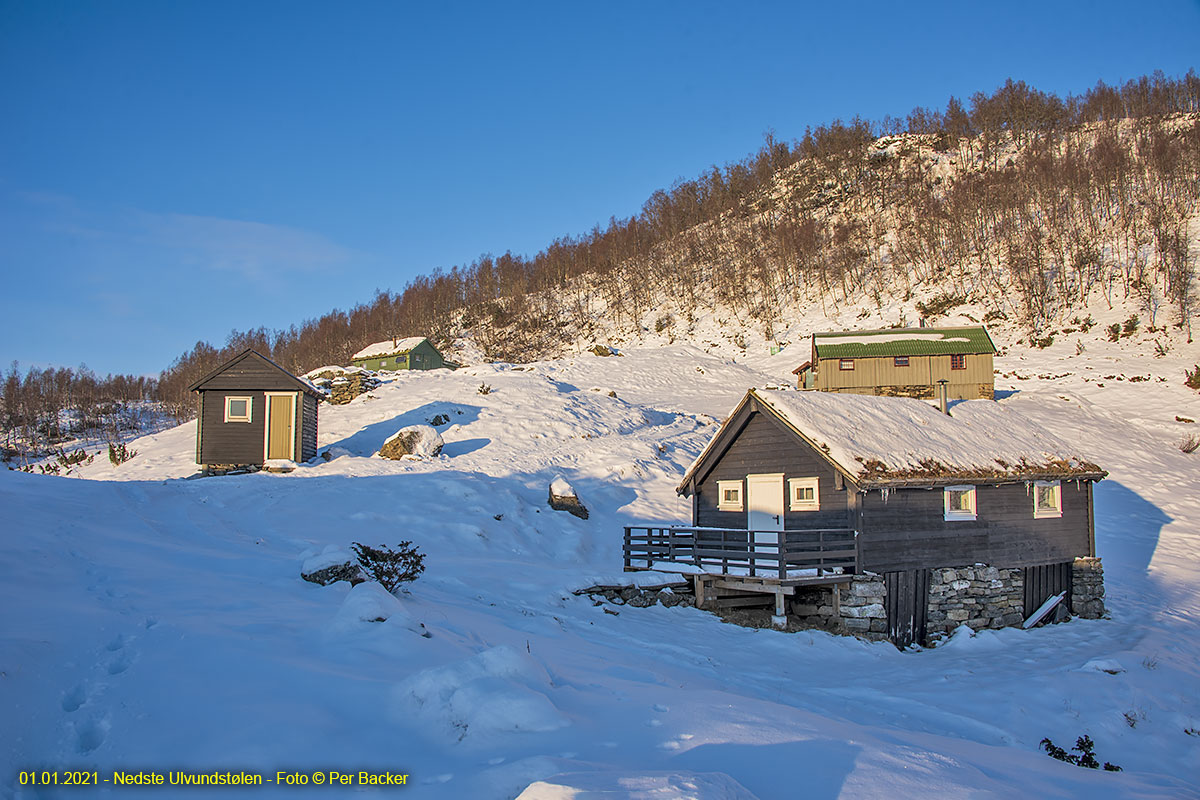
252, 411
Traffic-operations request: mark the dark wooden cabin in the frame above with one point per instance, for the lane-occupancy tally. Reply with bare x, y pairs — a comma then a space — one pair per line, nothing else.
253, 411
884, 485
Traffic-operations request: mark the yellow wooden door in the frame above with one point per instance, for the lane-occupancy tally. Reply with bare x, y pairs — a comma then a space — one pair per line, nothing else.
279, 427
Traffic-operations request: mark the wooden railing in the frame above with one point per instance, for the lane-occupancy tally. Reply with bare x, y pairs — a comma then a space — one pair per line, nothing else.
759, 553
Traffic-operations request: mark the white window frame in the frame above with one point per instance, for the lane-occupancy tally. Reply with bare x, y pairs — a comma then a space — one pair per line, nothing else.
960, 515
1047, 513
231, 417
731, 505
846, 365
794, 503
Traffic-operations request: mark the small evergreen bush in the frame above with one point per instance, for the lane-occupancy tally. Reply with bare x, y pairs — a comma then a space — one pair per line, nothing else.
1192, 377
1087, 754
390, 567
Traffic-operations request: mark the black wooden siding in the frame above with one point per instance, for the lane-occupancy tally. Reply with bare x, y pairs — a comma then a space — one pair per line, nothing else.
224, 442
1042, 583
306, 447
764, 447
906, 599
908, 530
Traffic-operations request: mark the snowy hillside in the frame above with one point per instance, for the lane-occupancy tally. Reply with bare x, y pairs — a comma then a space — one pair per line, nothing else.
156, 623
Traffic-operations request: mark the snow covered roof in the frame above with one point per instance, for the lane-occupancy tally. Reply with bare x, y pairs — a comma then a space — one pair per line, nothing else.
903, 342
889, 441
389, 347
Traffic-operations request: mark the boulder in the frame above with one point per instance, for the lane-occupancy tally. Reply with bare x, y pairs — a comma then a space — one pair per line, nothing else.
563, 498
414, 440
332, 565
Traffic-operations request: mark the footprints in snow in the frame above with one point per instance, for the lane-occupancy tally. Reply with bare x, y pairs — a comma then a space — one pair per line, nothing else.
671, 744
87, 724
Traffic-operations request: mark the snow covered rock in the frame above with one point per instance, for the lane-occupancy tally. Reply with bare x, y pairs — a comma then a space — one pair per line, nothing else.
415, 440
332, 565
563, 498
604, 350
368, 602
494, 693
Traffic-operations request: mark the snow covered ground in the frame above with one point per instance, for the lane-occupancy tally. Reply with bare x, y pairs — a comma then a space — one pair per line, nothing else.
155, 623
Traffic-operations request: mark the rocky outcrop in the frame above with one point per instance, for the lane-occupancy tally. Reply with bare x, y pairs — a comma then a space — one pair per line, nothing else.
669, 595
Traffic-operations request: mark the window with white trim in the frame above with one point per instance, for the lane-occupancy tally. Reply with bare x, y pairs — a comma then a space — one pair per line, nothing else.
846, 364
959, 502
1047, 499
729, 496
802, 494
238, 409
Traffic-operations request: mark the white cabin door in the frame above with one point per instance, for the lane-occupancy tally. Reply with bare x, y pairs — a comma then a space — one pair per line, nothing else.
764, 508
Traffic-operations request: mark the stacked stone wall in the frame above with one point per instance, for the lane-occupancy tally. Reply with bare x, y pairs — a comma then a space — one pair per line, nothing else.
979, 596
1087, 588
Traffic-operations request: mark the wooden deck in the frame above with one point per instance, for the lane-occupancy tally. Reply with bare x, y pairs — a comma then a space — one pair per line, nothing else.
733, 567
790, 557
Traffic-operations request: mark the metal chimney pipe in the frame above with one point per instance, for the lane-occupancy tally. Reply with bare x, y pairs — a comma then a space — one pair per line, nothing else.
943, 402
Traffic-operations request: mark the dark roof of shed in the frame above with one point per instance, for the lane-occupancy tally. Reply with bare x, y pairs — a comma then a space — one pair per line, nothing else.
276, 377
968, 340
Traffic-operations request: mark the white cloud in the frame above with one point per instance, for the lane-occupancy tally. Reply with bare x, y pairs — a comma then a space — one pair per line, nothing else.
251, 248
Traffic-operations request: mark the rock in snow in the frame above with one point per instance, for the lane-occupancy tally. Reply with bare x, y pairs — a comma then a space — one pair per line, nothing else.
332, 565
415, 440
563, 498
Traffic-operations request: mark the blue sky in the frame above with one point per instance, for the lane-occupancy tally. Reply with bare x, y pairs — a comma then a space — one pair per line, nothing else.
172, 171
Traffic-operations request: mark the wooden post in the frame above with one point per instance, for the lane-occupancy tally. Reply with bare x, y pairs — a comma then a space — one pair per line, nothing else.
780, 618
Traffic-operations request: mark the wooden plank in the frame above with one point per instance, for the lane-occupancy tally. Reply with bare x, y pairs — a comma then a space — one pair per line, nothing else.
906, 601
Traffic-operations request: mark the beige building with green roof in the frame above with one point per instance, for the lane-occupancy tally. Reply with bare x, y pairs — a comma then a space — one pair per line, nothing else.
902, 362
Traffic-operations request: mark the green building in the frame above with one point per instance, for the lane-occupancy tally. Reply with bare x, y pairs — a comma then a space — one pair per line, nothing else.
415, 352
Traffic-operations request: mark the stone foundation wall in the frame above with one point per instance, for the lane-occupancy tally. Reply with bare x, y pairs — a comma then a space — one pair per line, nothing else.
860, 607
978, 596
1087, 588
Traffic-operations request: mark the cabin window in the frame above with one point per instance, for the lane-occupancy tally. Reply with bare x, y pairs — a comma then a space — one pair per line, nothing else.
958, 362
1047, 499
238, 409
900, 361
960, 502
803, 494
846, 364
383, 362
729, 496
